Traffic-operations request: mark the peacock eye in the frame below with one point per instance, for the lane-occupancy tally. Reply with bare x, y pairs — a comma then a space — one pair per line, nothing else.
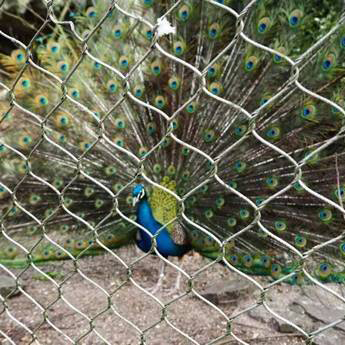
174, 124
54, 49
120, 123
119, 142
63, 66
264, 25
171, 170
185, 151
110, 170
250, 63
280, 226
240, 166
89, 191
308, 112
179, 48
231, 222
27, 140
20, 57
211, 71
300, 241
324, 270
247, 260
277, 58
139, 91
117, 187
273, 133
183, 13
25, 83
75, 93
265, 260
295, 18
124, 63
91, 12
148, 3
151, 128
174, 83
216, 88
272, 182
214, 31
209, 135
112, 86
191, 108
328, 62
209, 213
62, 138
118, 33
160, 102
275, 270
99, 203
234, 260
325, 215
157, 168
156, 68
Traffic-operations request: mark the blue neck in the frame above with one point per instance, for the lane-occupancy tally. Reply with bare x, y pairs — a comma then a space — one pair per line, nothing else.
145, 216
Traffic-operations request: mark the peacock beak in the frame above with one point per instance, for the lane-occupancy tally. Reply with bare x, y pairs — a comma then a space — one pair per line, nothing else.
135, 200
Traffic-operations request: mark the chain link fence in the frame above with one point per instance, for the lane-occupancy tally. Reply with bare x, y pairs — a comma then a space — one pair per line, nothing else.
78, 268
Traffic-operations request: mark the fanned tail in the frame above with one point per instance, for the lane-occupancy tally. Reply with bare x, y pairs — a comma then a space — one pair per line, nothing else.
251, 131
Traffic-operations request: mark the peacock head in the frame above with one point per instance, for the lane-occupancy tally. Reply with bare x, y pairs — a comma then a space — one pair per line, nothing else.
138, 193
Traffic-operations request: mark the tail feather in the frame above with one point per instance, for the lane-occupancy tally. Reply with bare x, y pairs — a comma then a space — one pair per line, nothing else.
260, 121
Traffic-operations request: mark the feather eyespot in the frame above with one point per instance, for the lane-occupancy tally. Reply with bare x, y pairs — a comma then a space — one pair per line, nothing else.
300, 241
231, 221
328, 62
174, 83
179, 48
148, 3
325, 215
264, 25
214, 31
216, 88
160, 102
295, 18
184, 13
240, 166
250, 63
244, 214
91, 12
272, 182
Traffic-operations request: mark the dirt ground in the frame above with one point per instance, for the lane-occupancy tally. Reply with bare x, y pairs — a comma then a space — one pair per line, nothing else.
96, 299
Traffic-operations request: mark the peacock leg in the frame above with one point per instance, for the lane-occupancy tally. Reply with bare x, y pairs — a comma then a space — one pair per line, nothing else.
159, 283
177, 286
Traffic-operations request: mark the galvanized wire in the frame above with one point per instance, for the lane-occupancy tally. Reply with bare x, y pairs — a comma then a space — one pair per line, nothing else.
200, 88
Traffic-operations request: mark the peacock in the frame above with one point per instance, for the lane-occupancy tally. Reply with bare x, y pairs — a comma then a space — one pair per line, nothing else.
221, 120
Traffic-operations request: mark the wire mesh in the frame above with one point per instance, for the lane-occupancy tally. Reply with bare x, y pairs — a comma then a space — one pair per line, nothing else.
163, 314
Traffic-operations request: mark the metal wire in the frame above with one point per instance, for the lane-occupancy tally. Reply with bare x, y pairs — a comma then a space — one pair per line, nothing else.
201, 88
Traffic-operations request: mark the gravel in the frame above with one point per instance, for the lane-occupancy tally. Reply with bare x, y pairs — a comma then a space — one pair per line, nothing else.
78, 305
